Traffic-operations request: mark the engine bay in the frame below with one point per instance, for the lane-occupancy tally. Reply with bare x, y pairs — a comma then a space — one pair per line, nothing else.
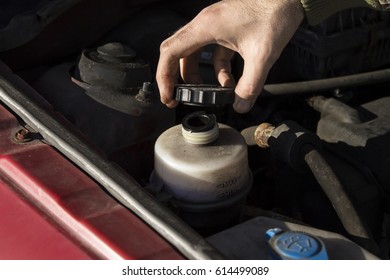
324, 167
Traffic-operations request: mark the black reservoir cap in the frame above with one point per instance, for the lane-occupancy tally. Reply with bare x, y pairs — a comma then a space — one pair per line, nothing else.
204, 95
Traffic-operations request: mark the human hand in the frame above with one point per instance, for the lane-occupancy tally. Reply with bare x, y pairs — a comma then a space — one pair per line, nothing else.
256, 29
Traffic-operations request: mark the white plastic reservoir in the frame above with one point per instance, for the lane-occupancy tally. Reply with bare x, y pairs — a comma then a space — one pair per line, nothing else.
203, 177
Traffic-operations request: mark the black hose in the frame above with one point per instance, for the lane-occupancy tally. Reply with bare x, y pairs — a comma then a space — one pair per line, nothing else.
327, 84
340, 200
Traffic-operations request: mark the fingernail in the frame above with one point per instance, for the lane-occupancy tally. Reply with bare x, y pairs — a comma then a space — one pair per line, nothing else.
171, 104
242, 105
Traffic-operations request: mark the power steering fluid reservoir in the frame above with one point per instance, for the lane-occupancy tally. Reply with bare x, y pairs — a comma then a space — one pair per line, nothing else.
203, 165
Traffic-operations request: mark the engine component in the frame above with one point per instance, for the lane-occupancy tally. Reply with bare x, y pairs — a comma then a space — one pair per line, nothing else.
208, 180
113, 65
295, 146
248, 241
360, 35
327, 84
112, 75
110, 99
288, 141
295, 245
204, 95
200, 128
361, 133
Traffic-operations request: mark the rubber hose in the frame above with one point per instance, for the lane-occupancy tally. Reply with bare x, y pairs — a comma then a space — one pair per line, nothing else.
328, 84
340, 200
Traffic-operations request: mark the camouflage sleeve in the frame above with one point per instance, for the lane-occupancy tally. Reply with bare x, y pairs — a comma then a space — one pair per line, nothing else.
317, 10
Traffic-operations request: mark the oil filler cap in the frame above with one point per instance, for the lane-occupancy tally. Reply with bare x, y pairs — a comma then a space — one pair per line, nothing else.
204, 95
293, 245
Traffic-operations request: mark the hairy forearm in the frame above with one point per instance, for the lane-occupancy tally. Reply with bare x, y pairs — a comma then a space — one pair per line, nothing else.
318, 10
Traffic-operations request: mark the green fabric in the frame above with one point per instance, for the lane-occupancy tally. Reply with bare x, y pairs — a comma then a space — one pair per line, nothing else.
318, 10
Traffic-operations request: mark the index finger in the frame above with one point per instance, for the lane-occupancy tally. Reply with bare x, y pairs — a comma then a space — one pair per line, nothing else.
166, 76
182, 44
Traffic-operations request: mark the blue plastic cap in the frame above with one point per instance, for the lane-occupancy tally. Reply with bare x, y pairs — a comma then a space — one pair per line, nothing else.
272, 232
291, 245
